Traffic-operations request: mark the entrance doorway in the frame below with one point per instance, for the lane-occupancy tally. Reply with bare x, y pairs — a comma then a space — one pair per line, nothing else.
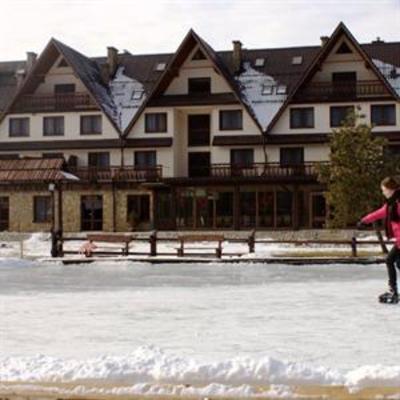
199, 164
318, 210
4, 214
92, 213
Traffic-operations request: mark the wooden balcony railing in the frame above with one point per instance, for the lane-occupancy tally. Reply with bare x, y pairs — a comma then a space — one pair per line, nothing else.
54, 102
337, 91
117, 174
267, 170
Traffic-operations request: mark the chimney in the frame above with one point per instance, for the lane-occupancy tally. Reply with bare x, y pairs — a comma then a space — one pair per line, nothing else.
237, 55
324, 39
30, 60
112, 60
19, 76
378, 40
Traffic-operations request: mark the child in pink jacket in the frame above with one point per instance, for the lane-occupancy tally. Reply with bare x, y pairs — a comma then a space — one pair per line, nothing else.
390, 212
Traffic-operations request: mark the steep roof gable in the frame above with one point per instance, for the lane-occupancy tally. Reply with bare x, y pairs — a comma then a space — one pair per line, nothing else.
184, 50
325, 50
85, 69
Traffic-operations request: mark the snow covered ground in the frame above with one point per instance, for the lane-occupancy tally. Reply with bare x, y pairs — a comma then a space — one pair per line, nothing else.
196, 329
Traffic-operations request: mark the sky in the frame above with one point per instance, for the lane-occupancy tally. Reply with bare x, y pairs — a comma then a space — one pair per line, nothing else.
158, 26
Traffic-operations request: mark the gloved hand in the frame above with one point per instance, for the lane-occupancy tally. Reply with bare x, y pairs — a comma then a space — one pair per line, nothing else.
361, 225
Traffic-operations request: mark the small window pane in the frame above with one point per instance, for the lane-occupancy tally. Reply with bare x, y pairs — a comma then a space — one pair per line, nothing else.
91, 124
302, 117
53, 126
199, 85
155, 122
338, 115
99, 160
230, 120
383, 114
145, 159
18, 127
42, 209
242, 157
64, 88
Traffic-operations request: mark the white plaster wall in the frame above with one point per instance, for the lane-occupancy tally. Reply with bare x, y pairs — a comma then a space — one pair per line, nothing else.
71, 127
322, 117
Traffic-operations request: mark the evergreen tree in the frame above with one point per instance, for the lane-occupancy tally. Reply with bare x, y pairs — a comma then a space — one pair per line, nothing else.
358, 163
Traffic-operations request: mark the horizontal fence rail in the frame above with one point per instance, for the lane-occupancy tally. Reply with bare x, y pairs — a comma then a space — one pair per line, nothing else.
58, 241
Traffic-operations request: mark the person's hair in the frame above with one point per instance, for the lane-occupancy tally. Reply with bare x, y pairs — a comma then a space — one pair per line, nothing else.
390, 183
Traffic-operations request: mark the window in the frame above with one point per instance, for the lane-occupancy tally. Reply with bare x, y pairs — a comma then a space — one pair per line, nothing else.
4, 213
344, 77
145, 158
259, 62
291, 155
242, 157
199, 130
62, 63
384, 114
18, 127
338, 114
155, 122
92, 213
64, 88
91, 124
137, 94
297, 60
53, 126
343, 49
281, 89
199, 85
138, 209
284, 205
99, 160
52, 155
160, 66
9, 156
230, 120
42, 209
302, 117
199, 55
267, 89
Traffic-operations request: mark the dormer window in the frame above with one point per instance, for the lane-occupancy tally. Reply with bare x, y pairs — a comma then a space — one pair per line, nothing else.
267, 89
281, 89
199, 55
199, 85
259, 62
64, 88
160, 66
297, 60
137, 94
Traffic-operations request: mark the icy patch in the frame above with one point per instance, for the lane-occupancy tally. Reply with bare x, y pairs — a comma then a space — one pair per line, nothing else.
391, 73
264, 106
128, 95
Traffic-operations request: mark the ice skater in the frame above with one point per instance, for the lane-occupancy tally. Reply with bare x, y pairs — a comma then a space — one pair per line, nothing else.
390, 212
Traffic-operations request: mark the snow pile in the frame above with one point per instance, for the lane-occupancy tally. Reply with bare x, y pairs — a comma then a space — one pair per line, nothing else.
264, 106
152, 371
391, 73
128, 95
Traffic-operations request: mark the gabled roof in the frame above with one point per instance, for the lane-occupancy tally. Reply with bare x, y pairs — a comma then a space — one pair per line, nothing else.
189, 42
340, 30
87, 70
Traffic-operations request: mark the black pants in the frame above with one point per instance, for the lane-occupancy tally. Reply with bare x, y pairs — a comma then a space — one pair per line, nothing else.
392, 258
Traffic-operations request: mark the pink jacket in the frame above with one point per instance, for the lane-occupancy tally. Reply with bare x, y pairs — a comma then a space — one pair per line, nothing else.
394, 229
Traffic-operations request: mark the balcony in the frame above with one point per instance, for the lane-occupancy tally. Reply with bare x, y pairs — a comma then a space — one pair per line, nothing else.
54, 102
341, 91
117, 174
256, 171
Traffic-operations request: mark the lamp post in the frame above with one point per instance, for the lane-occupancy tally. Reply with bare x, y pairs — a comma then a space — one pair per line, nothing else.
54, 252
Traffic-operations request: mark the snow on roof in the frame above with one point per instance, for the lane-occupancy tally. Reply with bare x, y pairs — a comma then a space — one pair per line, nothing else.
391, 73
128, 95
264, 105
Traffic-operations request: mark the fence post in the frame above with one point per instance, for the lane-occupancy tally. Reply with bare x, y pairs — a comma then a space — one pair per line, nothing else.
153, 243
251, 241
54, 250
354, 246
